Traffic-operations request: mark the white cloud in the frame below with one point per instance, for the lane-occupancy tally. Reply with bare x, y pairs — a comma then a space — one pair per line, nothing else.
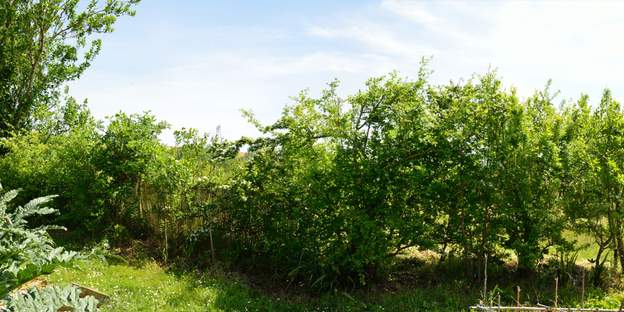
574, 43
414, 10
376, 37
209, 91
202, 84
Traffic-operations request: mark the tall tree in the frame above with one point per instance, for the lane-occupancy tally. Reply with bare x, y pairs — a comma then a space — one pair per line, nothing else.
594, 182
608, 138
44, 44
530, 181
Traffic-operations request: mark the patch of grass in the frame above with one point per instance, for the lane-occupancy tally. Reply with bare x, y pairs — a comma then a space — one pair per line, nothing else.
149, 287
585, 244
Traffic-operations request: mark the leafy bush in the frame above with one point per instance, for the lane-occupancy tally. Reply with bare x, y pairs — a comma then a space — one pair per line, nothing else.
336, 187
26, 252
329, 193
58, 158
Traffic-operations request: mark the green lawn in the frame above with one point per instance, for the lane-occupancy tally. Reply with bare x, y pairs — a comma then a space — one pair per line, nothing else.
587, 247
148, 287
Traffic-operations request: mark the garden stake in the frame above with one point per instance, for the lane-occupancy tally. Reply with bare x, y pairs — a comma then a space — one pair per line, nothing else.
556, 291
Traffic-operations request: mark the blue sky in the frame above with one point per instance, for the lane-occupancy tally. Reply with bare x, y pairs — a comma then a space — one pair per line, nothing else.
196, 63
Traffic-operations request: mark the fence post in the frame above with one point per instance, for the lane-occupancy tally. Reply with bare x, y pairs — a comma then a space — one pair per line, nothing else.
583, 288
212, 251
485, 280
556, 291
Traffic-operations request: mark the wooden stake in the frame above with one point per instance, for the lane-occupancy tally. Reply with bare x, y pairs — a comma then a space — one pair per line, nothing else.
165, 252
583, 289
485, 279
518, 296
556, 292
212, 252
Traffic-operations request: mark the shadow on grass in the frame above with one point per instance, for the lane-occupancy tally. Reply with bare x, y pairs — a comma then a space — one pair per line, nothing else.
465, 282
413, 284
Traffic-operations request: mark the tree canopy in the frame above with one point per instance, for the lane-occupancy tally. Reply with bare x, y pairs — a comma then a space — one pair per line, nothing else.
44, 44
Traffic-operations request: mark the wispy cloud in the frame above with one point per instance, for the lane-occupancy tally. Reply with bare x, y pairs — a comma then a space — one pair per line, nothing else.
414, 10
201, 75
207, 91
376, 37
529, 42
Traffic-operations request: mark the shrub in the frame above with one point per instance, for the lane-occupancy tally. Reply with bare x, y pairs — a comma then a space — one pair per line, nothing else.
26, 252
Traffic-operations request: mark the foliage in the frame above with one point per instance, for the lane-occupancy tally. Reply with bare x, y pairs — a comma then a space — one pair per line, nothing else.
335, 188
118, 179
128, 150
497, 171
26, 252
330, 193
51, 299
44, 44
594, 183
58, 158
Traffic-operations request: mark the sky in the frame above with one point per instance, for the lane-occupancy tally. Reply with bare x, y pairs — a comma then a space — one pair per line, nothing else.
197, 63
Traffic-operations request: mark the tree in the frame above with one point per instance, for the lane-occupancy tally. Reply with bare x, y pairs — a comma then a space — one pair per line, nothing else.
594, 181
334, 189
534, 220
495, 179
44, 44
472, 133
128, 149
582, 192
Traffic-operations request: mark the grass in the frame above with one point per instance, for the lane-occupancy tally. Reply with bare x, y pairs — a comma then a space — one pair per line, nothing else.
587, 247
416, 285
149, 287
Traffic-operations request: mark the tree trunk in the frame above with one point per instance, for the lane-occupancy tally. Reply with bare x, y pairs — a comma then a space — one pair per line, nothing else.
618, 235
614, 235
620, 251
598, 265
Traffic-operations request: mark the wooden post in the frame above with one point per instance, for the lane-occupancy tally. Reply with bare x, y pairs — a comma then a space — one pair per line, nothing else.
556, 292
166, 251
212, 251
583, 289
485, 280
517, 296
